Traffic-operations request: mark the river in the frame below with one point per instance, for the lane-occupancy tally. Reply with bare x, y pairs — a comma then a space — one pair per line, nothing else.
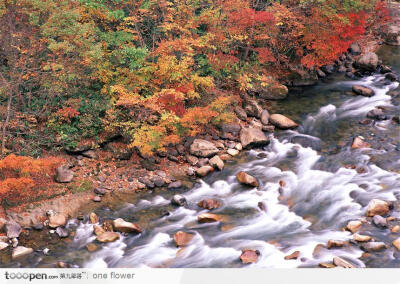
310, 193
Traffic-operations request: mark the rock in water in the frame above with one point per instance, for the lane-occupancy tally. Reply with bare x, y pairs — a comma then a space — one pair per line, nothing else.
175, 185
361, 238
107, 237
368, 62
282, 121
363, 91
178, 200
247, 179
208, 218
98, 230
249, 256
3, 245
209, 204
377, 207
203, 148
359, 143
265, 117
121, 225
396, 244
13, 229
293, 255
216, 162
64, 174
62, 232
373, 246
57, 220
182, 239
250, 137
93, 218
342, 263
335, 244
21, 251
204, 170
379, 221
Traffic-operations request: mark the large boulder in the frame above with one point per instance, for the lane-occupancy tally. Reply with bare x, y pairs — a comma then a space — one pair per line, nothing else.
392, 34
270, 92
282, 121
252, 108
216, 162
377, 207
64, 174
203, 148
368, 62
246, 179
119, 150
121, 225
363, 91
253, 137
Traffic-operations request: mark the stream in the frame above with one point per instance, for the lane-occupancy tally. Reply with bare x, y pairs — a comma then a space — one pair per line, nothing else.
311, 183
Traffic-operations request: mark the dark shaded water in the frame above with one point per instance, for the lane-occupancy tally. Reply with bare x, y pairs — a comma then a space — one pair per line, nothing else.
323, 190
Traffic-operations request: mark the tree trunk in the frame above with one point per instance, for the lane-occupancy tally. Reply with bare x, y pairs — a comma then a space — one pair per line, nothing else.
5, 123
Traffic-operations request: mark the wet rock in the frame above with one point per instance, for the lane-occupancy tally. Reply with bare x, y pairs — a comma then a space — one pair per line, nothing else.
270, 92
62, 232
192, 160
209, 204
326, 265
247, 179
361, 238
182, 239
61, 264
107, 237
377, 207
98, 230
13, 230
3, 245
265, 117
363, 91
91, 247
395, 229
373, 246
262, 206
354, 226
359, 143
249, 256
391, 77
293, 255
396, 244
175, 185
379, 221
252, 108
250, 137
240, 113
203, 148
121, 225
377, 114
208, 218
239, 147
335, 244
282, 121
233, 152
217, 163
91, 154
178, 200
204, 170
338, 261
64, 174
21, 251
100, 190
368, 62
355, 49
93, 218
307, 141
320, 73
57, 220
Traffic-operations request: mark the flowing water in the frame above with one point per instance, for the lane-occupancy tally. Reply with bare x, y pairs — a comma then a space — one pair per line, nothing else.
325, 184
